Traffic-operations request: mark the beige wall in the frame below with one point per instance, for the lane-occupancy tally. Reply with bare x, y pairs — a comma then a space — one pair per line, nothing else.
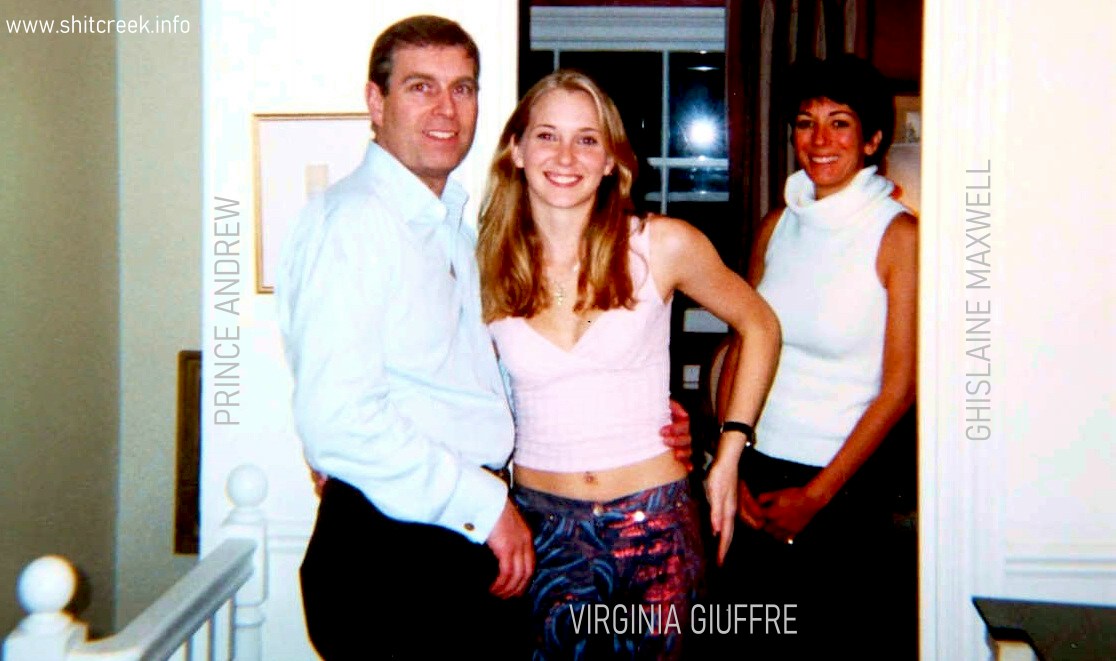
59, 399
159, 89
100, 269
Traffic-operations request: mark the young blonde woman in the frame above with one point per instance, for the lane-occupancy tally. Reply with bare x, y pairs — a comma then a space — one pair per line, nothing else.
576, 290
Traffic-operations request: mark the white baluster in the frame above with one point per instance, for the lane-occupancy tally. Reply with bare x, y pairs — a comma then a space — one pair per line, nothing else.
247, 488
46, 586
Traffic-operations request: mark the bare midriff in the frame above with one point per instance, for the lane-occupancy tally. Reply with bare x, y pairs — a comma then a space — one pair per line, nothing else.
604, 485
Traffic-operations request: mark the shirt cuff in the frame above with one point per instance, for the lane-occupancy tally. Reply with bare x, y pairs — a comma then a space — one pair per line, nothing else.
476, 504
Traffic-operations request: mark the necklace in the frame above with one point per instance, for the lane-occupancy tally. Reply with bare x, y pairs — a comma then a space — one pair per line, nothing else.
559, 293
557, 289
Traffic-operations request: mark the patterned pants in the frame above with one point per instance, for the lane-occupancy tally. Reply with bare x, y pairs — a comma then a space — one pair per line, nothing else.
613, 580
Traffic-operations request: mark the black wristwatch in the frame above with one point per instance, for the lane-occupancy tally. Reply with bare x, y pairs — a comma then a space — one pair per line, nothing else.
742, 427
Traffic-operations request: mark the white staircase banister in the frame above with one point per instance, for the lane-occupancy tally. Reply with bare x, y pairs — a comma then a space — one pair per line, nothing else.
233, 574
181, 610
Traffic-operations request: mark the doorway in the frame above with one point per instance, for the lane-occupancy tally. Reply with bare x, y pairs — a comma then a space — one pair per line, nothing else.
664, 63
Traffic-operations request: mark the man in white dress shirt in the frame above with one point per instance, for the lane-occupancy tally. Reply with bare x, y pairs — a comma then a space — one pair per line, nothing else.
398, 396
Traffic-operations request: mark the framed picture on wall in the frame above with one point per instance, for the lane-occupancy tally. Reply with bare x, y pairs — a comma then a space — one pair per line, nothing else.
908, 119
904, 159
187, 452
297, 156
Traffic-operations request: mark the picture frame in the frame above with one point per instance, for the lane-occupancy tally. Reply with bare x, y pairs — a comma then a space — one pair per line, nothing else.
295, 156
904, 158
187, 453
908, 119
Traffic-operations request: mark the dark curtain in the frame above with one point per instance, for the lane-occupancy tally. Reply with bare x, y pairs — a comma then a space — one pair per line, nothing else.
763, 38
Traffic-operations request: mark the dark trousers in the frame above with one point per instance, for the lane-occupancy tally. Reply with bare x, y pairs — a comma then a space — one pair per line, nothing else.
377, 588
848, 574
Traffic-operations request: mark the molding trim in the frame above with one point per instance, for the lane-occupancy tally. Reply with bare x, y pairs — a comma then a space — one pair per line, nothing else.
628, 28
288, 536
1059, 559
960, 478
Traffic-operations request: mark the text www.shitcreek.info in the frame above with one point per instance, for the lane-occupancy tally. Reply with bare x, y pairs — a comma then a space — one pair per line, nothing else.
91, 25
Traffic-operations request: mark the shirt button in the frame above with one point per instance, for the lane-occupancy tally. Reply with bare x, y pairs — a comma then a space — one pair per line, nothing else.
470, 527
639, 516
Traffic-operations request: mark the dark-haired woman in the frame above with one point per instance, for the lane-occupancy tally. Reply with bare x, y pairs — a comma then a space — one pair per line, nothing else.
839, 266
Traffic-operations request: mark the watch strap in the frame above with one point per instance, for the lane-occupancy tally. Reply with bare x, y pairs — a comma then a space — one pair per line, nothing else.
742, 427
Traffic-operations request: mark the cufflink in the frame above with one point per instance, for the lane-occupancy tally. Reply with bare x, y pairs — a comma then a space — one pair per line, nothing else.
469, 527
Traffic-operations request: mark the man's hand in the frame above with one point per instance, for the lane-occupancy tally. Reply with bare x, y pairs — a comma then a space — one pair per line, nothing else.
319, 480
676, 435
511, 543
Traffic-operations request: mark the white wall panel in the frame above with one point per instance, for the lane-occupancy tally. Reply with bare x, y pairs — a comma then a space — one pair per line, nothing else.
1020, 89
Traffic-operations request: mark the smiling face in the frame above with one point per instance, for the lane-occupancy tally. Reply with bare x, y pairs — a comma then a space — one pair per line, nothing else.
427, 116
562, 152
830, 145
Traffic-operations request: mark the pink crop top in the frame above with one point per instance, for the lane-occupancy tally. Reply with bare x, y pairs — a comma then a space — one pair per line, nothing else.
601, 404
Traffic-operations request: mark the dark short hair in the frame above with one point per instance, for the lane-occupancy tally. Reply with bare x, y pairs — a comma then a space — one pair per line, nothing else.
417, 31
850, 80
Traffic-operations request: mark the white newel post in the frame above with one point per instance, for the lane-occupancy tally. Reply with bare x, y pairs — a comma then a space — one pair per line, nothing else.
46, 586
247, 488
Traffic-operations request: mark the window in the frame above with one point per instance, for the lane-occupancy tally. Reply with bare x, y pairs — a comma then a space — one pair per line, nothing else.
664, 68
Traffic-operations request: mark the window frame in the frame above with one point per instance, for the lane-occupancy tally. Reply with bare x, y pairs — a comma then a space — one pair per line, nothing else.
643, 29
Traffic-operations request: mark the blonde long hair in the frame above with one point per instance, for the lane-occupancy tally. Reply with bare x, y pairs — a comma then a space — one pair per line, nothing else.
509, 250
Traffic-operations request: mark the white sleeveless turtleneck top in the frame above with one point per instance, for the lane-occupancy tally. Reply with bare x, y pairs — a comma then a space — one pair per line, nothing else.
820, 278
